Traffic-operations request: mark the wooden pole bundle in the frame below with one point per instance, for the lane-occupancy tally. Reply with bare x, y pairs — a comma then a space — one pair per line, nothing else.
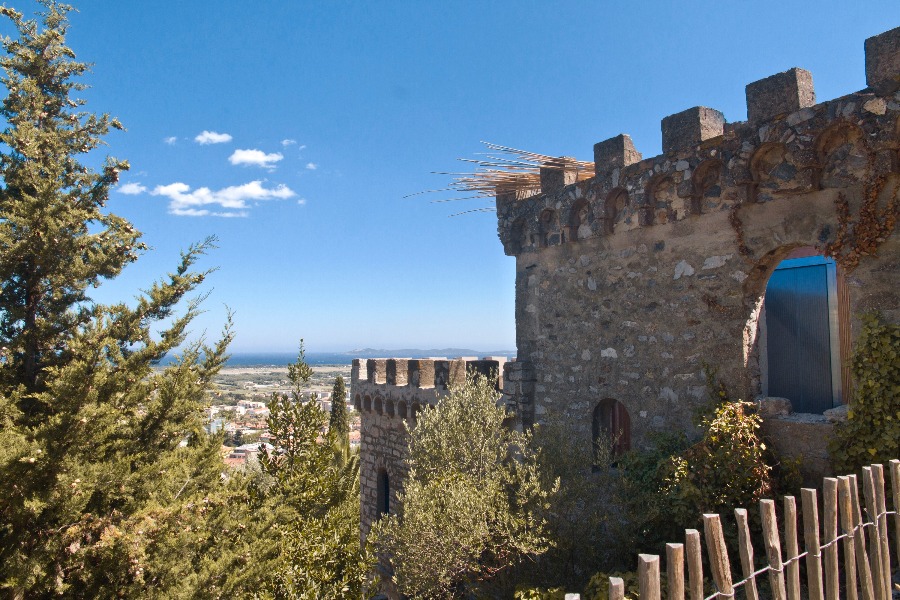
508, 170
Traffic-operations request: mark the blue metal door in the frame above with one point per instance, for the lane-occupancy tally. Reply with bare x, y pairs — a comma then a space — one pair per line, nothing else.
800, 333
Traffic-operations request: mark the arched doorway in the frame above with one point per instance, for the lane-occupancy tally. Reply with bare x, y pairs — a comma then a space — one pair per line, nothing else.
383, 494
801, 327
611, 427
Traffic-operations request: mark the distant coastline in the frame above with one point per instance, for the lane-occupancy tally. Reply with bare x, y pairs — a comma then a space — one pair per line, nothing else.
281, 359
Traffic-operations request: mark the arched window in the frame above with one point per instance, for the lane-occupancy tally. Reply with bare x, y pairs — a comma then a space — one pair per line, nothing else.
580, 221
383, 494
613, 208
611, 429
706, 188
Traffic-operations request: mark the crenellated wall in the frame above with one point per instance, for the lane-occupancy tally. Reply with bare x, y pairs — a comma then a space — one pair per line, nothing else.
389, 393
629, 282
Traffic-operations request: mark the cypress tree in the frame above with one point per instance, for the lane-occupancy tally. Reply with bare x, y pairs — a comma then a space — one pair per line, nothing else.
339, 423
108, 477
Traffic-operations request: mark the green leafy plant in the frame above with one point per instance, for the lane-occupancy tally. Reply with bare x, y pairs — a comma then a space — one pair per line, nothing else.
871, 433
472, 503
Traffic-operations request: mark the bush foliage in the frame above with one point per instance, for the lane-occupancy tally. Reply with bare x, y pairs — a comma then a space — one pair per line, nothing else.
871, 433
472, 503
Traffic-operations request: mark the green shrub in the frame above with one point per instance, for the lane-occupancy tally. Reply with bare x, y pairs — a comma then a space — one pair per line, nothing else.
667, 489
871, 433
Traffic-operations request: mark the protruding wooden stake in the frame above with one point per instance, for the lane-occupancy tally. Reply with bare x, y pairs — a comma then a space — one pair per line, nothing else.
718, 554
773, 549
859, 541
792, 547
895, 486
829, 498
878, 584
746, 550
616, 588
695, 563
881, 508
810, 506
648, 576
675, 571
846, 503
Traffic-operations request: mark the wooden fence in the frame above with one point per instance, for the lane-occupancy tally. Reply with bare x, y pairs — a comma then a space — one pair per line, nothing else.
866, 564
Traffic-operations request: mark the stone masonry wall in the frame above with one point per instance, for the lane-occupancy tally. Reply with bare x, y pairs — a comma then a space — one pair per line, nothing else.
629, 282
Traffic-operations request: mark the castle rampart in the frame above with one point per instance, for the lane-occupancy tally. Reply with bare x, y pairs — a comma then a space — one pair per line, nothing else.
630, 282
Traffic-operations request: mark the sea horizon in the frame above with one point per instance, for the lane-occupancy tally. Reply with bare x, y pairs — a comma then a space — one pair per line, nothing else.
282, 359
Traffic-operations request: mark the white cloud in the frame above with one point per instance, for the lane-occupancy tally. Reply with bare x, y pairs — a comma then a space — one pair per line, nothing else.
256, 158
233, 199
170, 140
131, 189
288, 142
212, 137
312, 166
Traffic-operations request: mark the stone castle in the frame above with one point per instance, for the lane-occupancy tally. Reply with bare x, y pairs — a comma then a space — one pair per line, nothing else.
750, 246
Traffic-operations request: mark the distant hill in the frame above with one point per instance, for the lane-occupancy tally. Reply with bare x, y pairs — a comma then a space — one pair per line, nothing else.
419, 353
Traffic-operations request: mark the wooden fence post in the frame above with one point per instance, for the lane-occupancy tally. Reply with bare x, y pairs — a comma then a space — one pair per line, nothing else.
895, 485
810, 506
792, 547
746, 551
675, 571
874, 534
829, 499
773, 549
846, 503
881, 509
718, 554
648, 576
695, 563
616, 588
862, 559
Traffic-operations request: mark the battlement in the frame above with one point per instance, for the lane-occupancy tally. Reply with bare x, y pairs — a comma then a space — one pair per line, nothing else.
789, 145
391, 386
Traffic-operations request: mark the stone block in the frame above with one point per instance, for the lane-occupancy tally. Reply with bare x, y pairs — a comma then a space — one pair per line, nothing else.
420, 373
359, 367
690, 127
397, 371
772, 406
614, 153
838, 414
555, 177
376, 370
779, 94
883, 62
457, 373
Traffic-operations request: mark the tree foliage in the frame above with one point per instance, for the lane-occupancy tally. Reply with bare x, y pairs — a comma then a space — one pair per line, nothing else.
473, 499
312, 548
104, 458
338, 422
111, 486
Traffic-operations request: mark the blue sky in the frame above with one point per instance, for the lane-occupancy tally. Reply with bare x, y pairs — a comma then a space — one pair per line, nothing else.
317, 118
